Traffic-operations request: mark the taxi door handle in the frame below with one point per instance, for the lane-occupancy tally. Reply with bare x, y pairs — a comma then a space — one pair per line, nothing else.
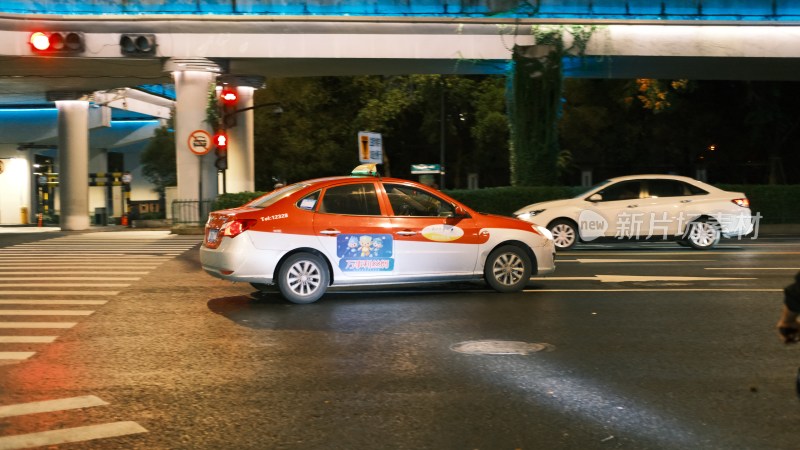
406, 233
686, 201
633, 206
330, 232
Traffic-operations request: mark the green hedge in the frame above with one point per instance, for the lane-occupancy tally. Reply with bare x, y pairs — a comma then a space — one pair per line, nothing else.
226, 201
775, 203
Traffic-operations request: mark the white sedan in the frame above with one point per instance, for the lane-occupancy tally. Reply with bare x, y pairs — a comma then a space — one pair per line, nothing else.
645, 207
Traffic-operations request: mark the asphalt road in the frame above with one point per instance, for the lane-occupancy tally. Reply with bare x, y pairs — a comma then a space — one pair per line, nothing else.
127, 344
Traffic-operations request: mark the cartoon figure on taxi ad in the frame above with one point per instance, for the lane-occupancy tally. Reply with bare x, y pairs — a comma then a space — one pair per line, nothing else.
365, 252
366, 245
352, 247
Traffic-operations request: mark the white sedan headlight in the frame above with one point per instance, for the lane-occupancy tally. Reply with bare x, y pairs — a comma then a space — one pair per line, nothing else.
544, 232
529, 214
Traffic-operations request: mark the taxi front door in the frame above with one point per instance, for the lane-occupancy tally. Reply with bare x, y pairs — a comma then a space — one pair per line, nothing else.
428, 239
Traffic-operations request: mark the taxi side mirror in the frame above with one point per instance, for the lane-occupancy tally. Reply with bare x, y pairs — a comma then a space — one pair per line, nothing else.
460, 212
595, 198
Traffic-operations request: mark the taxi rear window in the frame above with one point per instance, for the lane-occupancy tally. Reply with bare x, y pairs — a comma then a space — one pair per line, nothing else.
274, 196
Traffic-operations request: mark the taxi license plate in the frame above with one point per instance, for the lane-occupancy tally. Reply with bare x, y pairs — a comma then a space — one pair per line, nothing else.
212, 235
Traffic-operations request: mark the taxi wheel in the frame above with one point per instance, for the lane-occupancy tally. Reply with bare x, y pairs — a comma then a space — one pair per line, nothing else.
508, 269
303, 278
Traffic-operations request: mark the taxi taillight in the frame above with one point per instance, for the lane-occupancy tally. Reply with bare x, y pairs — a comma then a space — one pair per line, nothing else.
236, 227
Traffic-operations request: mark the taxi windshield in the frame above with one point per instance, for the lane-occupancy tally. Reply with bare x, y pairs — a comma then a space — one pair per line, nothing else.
277, 194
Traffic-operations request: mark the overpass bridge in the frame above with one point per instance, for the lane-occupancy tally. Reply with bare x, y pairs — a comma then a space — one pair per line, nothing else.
99, 99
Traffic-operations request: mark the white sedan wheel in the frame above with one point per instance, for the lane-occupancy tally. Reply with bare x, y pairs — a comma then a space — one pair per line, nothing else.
703, 234
564, 234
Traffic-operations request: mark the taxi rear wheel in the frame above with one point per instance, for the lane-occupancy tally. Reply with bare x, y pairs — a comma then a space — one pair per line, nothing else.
303, 278
508, 269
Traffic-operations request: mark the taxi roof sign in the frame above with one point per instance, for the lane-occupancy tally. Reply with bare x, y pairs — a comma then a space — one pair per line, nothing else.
366, 170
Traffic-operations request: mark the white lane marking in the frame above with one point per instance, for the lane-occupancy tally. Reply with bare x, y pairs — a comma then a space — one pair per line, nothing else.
69, 435
629, 278
28, 301
752, 268
654, 290
604, 261
37, 324
42, 278
43, 312
17, 356
53, 293
63, 404
27, 339
679, 253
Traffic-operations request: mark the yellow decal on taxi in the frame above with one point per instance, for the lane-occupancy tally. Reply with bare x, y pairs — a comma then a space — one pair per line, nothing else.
442, 233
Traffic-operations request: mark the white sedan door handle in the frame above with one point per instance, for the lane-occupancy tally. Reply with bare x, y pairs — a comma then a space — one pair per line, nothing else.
406, 233
330, 232
633, 206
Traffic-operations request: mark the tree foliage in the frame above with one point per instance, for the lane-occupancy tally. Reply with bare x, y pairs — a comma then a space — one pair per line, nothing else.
158, 160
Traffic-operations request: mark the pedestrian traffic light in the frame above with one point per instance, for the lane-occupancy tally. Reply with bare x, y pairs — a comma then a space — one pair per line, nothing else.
221, 140
137, 44
57, 42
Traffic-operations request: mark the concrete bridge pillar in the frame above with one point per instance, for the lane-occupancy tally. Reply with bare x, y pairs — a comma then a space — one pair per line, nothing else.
240, 176
73, 158
197, 176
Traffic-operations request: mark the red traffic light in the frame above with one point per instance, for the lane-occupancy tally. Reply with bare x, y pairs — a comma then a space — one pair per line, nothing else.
228, 96
56, 42
221, 140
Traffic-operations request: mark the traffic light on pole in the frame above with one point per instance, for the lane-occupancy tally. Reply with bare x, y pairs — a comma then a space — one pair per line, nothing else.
221, 143
229, 99
137, 44
57, 42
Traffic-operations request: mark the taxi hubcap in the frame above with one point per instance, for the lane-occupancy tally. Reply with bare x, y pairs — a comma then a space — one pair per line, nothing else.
508, 269
304, 277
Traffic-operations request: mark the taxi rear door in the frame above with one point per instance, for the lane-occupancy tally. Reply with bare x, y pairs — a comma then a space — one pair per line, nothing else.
354, 234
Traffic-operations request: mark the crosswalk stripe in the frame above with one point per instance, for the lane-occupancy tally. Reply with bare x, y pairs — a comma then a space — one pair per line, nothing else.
44, 312
62, 404
48, 279
43, 283
81, 293
27, 339
28, 301
16, 355
39, 273
8, 325
68, 435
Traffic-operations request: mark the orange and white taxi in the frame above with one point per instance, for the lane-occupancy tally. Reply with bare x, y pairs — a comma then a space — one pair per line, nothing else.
366, 230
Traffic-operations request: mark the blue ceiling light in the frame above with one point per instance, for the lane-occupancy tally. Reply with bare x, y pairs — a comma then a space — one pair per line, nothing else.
708, 10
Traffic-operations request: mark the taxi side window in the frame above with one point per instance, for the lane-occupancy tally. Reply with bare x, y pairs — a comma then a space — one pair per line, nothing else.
410, 201
309, 201
351, 199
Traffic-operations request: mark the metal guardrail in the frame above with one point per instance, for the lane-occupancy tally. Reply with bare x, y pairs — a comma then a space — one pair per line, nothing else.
190, 212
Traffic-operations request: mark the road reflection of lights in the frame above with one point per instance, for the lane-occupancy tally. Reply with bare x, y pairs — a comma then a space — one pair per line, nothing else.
575, 395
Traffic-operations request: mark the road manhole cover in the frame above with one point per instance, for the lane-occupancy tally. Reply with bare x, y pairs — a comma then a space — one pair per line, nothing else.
493, 347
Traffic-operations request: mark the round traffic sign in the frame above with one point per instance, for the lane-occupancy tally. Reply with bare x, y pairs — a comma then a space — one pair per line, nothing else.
200, 142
